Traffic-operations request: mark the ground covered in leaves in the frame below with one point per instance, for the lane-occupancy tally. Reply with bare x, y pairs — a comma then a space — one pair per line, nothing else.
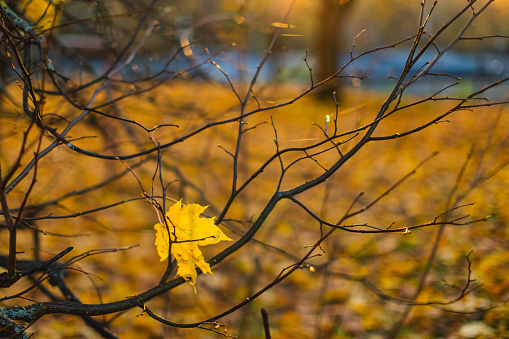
358, 281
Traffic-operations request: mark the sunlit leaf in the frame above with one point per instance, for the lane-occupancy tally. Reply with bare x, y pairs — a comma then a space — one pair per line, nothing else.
37, 9
185, 232
282, 25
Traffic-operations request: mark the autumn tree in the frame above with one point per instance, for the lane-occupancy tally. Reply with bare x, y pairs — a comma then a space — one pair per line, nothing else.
124, 180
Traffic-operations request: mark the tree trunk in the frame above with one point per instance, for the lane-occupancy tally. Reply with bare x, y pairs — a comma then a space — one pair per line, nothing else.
329, 42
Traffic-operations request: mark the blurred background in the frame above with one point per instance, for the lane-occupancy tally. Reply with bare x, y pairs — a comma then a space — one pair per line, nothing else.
237, 33
346, 297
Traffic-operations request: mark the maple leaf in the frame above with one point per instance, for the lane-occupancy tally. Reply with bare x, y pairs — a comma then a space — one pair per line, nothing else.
187, 232
35, 9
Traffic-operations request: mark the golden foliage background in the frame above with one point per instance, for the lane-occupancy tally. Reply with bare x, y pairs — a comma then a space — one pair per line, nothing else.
200, 172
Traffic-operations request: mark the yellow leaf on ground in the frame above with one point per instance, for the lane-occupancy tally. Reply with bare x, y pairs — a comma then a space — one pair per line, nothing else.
187, 231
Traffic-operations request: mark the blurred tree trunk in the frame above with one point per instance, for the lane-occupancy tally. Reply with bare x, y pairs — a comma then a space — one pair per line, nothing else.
329, 42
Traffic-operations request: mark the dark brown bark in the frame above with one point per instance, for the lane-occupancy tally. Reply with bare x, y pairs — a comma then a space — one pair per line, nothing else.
329, 41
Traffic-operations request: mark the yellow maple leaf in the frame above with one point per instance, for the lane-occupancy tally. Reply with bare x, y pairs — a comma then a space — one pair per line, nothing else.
187, 231
35, 9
